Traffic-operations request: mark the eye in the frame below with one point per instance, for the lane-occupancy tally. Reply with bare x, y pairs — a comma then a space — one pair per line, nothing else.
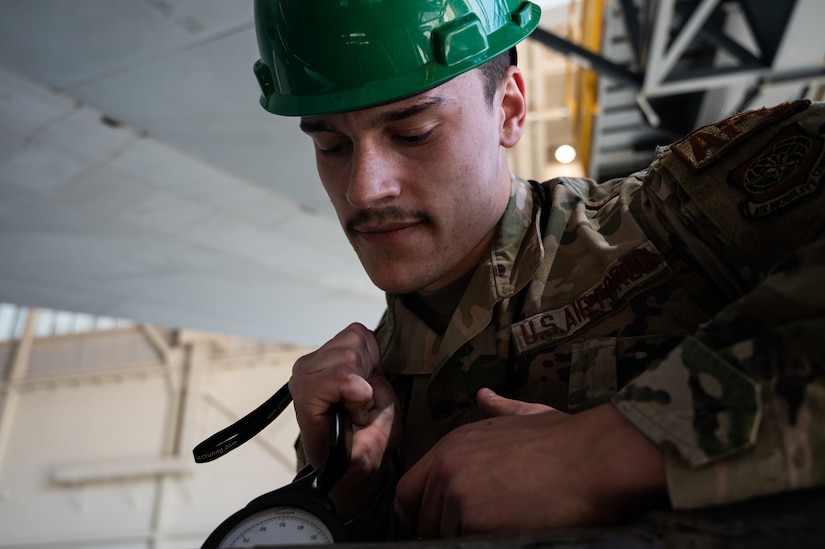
330, 147
332, 151
415, 139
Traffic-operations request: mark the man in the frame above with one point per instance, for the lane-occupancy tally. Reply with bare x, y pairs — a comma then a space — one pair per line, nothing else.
552, 355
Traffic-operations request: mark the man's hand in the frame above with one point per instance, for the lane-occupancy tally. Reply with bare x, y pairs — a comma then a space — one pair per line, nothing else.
347, 369
530, 467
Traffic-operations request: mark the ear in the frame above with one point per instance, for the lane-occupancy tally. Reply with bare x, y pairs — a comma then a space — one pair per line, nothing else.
513, 107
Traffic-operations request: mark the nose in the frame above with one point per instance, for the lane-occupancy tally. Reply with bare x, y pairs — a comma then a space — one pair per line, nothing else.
372, 177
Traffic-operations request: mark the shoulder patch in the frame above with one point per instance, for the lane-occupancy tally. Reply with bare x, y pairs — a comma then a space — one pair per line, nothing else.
786, 170
705, 146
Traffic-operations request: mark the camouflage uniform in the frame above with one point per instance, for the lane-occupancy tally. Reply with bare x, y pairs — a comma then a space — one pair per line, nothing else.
689, 295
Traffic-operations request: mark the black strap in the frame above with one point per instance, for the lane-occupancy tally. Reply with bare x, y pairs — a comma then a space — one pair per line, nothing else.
226, 440
544, 198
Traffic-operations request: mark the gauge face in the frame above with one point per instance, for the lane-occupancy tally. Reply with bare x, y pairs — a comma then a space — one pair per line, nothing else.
278, 526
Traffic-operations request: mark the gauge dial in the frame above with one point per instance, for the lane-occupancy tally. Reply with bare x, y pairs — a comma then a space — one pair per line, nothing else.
278, 526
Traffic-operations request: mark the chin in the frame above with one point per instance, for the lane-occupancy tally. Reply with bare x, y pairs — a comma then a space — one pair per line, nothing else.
397, 288
393, 284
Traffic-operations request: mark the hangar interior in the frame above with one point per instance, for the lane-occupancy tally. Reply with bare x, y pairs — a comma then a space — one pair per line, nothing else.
168, 251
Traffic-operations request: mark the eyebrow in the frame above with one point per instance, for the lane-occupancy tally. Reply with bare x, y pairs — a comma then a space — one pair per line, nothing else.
402, 114
315, 126
320, 125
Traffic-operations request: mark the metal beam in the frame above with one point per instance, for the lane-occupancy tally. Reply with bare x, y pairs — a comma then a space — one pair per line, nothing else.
632, 27
657, 73
587, 58
9, 391
712, 33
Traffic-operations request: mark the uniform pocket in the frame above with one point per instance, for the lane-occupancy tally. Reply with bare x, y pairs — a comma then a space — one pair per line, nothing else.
593, 378
600, 366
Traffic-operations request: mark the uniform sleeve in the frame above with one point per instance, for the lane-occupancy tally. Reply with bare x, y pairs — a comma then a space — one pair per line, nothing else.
739, 406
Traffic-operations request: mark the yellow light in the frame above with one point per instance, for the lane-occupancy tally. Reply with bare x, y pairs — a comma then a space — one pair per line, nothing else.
565, 154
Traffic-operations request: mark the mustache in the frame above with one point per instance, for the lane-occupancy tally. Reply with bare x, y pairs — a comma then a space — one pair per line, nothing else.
387, 213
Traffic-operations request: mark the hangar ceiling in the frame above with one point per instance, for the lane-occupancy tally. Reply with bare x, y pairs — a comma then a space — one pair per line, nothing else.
140, 179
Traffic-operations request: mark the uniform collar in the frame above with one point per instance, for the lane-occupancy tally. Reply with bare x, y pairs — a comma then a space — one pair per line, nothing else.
517, 249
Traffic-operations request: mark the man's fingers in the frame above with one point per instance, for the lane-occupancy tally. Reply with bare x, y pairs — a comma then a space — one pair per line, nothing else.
362, 339
408, 496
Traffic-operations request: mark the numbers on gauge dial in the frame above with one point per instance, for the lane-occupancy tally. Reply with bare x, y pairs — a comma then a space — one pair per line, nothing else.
278, 526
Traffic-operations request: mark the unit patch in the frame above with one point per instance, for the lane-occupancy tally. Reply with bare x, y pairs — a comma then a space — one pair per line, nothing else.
622, 278
786, 170
709, 143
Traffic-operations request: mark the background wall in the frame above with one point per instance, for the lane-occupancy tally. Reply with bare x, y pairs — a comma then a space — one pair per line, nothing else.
97, 428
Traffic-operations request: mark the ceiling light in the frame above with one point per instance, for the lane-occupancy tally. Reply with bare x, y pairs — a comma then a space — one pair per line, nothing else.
565, 154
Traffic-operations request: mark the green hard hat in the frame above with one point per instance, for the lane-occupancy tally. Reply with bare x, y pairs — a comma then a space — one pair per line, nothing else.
328, 56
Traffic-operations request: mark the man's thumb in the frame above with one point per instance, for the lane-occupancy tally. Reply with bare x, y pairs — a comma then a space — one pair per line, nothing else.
493, 405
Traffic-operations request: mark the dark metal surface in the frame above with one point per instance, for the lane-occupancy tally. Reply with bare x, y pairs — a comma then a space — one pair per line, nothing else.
793, 519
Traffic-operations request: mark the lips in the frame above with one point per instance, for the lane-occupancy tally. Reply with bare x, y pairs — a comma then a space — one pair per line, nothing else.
387, 235
385, 227
386, 222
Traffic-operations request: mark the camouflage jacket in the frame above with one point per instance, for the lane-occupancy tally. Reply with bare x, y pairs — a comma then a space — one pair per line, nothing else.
690, 295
